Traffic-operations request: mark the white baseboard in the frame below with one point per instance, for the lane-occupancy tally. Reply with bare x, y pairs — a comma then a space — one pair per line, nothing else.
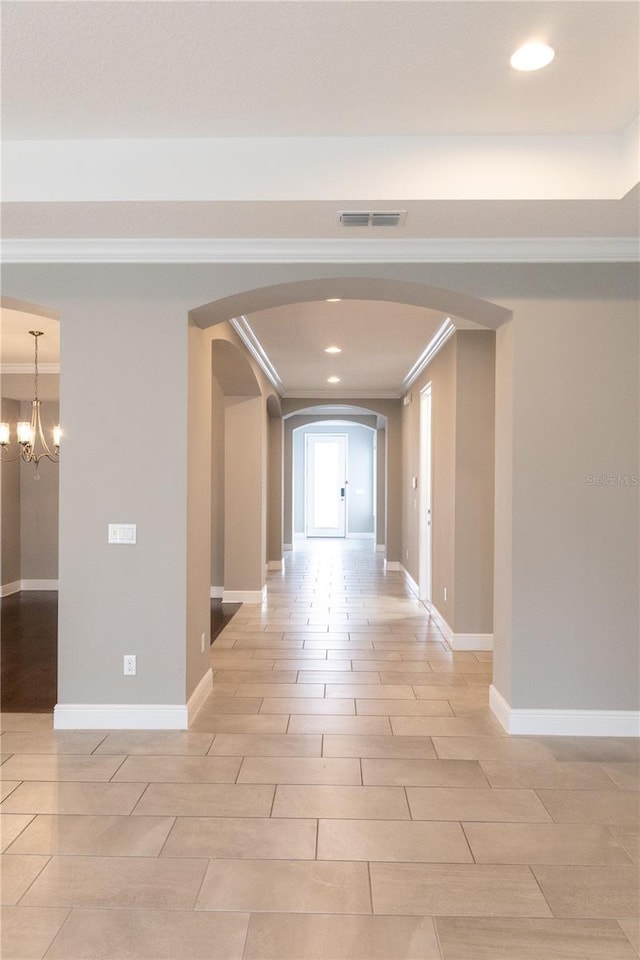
216, 593
441, 623
413, 586
564, 723
199, 695
245, 596
8, 588
120, 716
381, 548
275, 564
471, 641
360, 536
287, 546
392, 566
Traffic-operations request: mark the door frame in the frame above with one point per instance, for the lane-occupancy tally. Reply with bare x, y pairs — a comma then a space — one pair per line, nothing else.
425, 499
312, 437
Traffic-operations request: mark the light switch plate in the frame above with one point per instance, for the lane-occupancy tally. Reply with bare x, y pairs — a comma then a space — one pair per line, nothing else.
123, 533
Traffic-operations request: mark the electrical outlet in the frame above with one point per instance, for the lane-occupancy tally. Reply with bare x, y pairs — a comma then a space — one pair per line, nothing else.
129, 664
202, 642
444, 592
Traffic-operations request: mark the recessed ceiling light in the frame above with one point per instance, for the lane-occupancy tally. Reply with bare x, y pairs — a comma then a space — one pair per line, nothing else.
334, 300
333, 380
333, 350
532, 56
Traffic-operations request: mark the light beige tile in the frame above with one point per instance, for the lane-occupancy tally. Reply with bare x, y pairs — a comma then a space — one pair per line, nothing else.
363, 657
266, 745
339, 725
163, 742
332, 642
455, 803
179, 770
26, 721
564, 843
245, 705
581, 891
313, 706
11, 826
312, 668
242, 660
445, 727
404, 708
451, 681
592, 806
626, 775
18, 873
239, 723
206, 800
117, 882
254, 676
100, 836
150, 935
389, 667
60, 767
274, 642
419, 748
279, 690
338, 677
470, 707
382, 840
555, 776
461, 666
490, 748
631, 929
69, 798
7, 787
523, 939
464, 890
297, 653
289, 886
324, 936
28, 931
629, 838
370, 691
423, 773
595, 749
411, 677
338, 802
51, 741
305, 770
223, 690
238, 838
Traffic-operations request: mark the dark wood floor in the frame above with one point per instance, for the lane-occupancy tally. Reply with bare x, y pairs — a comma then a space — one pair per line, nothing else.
29, 660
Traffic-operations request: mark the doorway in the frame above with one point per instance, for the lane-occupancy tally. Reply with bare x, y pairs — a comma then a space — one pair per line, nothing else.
424, 491
326, 485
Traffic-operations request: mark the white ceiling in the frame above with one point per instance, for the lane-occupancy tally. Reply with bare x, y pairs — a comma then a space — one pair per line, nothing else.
16, 344
380, 342
79, 70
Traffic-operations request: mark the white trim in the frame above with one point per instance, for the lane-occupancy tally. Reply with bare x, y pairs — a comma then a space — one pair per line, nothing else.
413, 586
216, 593
39, 585
360, 536
275, 564
120, 716
306, 250
392, 566
287, 547
442, 624
564, 723
8, 588
243, 329
245, 596
381, 548
199, 695
471, 641
444, 332
323, 394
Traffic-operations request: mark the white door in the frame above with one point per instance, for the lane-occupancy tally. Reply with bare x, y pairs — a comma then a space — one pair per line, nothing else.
326, 484
424, 491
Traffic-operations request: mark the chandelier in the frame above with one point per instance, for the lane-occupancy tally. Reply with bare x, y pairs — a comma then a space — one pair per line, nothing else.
30, 434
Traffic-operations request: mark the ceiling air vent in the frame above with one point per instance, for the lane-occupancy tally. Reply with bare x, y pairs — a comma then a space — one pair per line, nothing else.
372, 218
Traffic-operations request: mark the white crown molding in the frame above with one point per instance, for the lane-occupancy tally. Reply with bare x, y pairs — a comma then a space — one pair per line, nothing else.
28, 368
444, 332
244, 330
564, 723
342, 395
120, 716
403, 250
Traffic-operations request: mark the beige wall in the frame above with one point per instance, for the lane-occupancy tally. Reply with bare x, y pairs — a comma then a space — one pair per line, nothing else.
275, 493
217, 485
39, 506
462, 416
10, 496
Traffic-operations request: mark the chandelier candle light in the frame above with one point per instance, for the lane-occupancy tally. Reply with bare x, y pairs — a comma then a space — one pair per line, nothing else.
30, 434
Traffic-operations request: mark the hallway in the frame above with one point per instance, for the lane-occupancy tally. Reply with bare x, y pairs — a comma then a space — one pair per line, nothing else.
344, 793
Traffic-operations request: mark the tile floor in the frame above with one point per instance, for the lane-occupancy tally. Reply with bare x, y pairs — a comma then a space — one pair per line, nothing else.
345, 794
